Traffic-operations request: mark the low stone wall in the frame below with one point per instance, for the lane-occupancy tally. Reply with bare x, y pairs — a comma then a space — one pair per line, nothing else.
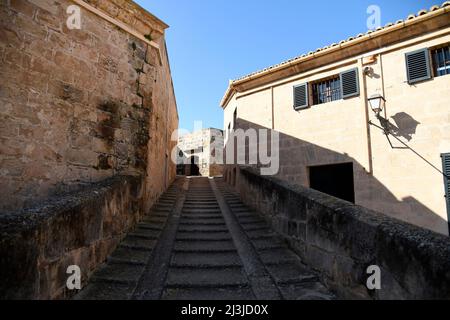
341, 240
37, 245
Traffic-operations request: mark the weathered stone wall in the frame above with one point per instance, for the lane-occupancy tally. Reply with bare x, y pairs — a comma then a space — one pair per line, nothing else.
38, 245
342, 240
80, 106
208, 146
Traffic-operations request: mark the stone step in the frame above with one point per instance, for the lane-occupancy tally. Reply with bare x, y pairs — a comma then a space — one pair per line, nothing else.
202, 228
305, 291
155, 220
120, 273
204, 216
264, 244
255, 227
106, 291
205, 260
202, 211
200, 201
250, 220
278, 256
131, 256
202, 236
240, 209
217, 294
204, 246
150, 226
246, 214
201, 207
212, 278
291, 273
146, 232
157, 214
203, 222
137, 243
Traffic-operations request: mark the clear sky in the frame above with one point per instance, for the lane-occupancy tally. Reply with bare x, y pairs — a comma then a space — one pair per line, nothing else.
212, 41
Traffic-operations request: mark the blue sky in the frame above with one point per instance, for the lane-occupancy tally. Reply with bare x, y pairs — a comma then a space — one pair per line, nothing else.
212, 41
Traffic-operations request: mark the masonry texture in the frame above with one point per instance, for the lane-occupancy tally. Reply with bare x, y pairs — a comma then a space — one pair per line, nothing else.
79, 106
86, 118
341, 240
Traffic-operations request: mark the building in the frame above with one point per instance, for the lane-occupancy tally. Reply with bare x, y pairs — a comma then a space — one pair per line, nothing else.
197, 152
394, 160
86, 118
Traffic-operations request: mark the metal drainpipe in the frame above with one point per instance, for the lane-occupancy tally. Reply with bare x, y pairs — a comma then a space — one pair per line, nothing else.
366, 110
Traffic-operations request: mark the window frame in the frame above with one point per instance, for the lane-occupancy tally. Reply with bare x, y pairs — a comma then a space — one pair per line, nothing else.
433, 65
315, 84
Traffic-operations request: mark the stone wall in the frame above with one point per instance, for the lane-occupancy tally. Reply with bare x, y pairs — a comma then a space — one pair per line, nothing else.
207, 146
342, 240
80, 106
38, 245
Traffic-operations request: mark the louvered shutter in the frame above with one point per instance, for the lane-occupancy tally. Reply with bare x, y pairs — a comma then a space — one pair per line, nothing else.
446, 170
418, 66
301, 96
349, 83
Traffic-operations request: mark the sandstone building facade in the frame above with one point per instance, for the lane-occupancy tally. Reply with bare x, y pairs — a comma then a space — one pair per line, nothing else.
197, 152
86, 118
331, 140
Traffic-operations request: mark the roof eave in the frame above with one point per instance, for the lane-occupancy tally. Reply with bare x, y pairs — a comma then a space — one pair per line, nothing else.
232, 87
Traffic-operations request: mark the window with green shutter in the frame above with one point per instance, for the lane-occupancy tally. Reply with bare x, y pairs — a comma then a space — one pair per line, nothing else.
446, 171
301, 96
418, 66
349, 83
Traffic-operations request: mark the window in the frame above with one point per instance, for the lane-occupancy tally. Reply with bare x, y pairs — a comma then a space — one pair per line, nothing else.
418, 66
301, 96
425, 63
234, 118
441, 61
326, 90
341, 86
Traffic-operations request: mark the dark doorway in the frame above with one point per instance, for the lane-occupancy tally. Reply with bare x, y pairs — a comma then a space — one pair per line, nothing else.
195, 170
335, 180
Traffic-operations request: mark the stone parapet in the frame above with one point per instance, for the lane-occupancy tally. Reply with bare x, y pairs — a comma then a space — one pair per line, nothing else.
341, 240
38, 245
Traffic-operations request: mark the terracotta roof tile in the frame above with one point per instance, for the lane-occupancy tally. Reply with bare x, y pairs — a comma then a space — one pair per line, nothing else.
388, 25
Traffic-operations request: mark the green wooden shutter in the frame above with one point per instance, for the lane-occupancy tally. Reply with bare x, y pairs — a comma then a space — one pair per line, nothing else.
349, 83
418, 66
301, 96
446, 170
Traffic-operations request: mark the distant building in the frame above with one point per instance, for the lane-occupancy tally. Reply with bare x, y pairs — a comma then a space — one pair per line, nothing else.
197, 151
319, 103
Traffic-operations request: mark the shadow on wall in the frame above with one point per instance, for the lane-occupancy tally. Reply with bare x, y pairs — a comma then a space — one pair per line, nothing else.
298, 156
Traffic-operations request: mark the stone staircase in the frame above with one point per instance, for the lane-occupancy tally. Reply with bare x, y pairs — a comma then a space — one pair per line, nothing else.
201, 242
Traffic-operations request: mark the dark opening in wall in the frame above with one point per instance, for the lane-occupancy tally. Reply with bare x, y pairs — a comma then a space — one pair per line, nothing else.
335, 180
195, 170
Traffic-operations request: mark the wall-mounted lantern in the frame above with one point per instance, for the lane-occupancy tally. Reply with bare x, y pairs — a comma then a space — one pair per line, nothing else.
377, 103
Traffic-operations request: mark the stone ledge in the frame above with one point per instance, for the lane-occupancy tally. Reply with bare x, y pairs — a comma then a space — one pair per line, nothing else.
341, 240
83, 228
